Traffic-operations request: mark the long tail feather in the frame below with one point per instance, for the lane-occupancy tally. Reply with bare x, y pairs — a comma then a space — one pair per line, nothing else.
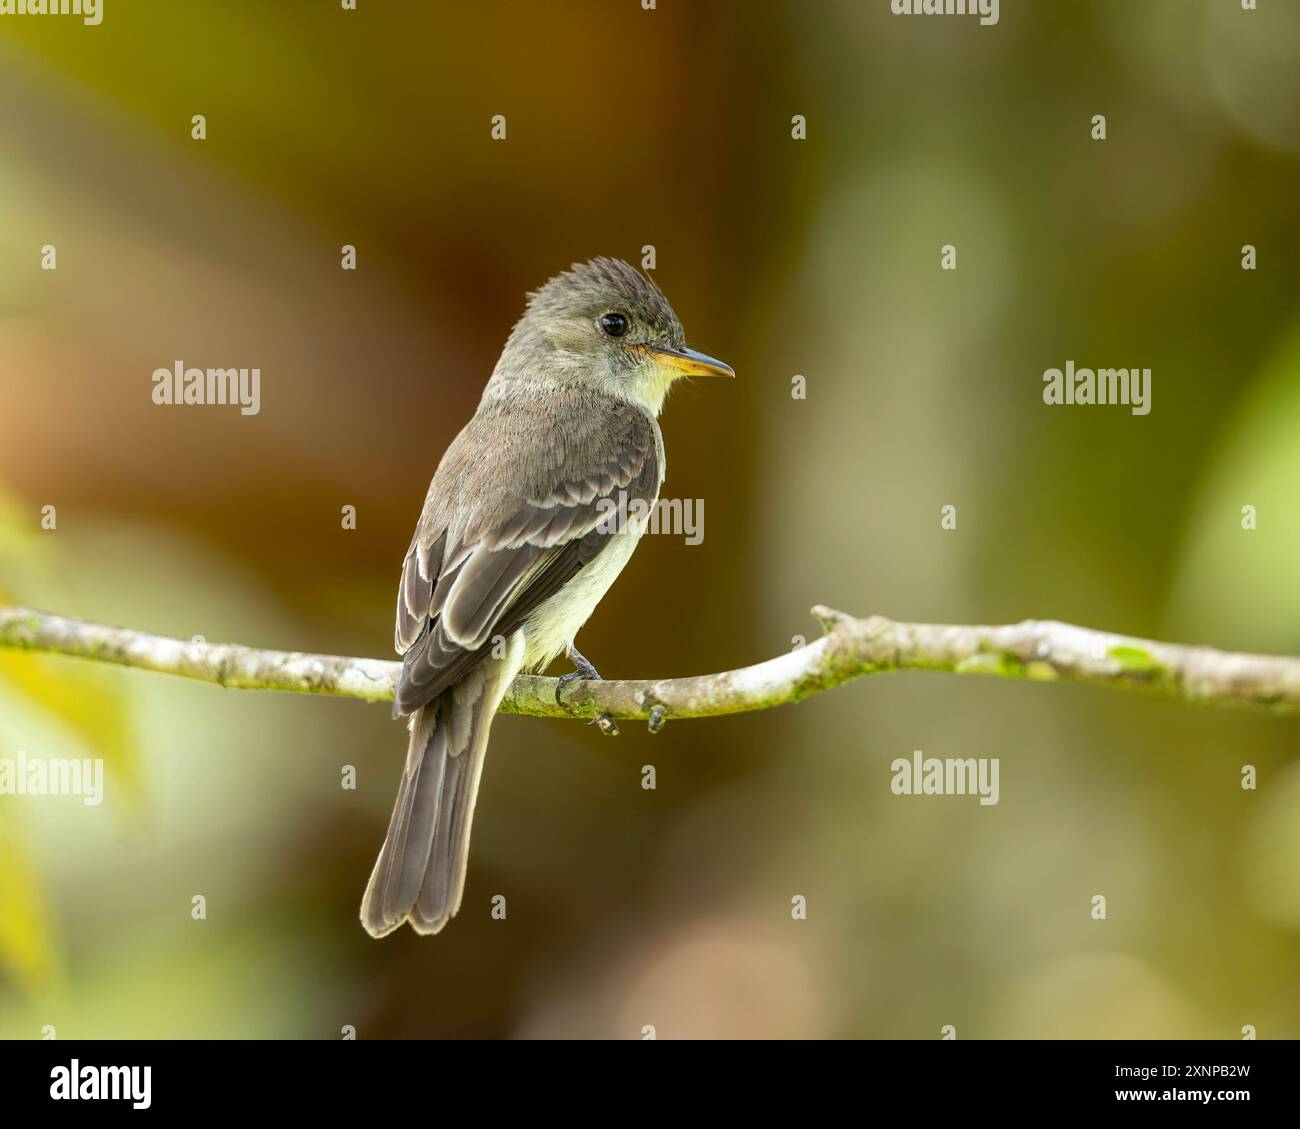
420, 873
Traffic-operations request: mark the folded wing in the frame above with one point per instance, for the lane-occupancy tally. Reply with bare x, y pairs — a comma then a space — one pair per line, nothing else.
517, 507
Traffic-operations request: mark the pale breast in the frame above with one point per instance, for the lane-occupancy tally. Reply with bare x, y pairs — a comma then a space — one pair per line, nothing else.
550, 629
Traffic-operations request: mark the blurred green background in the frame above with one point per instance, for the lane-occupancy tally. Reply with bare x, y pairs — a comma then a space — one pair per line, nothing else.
670, 128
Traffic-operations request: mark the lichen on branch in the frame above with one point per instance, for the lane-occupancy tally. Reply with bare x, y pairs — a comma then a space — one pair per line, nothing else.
850, 648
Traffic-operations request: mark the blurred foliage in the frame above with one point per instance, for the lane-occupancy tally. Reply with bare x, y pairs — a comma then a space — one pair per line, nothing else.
80, 695
27, 944
1235, 585
1271, 858
669, 127
76, 695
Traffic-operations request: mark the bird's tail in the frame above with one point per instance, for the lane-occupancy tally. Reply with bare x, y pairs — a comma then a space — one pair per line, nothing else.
420, 873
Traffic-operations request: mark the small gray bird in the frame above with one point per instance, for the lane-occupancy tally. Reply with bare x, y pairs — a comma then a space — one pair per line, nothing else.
532, 513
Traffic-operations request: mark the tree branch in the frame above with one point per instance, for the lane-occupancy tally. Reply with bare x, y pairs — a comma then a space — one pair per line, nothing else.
1040, 650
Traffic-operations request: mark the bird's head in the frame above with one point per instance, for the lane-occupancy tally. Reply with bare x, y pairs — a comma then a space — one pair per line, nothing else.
605, 326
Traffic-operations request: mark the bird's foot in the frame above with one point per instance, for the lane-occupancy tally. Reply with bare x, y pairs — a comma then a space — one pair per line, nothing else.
585, 672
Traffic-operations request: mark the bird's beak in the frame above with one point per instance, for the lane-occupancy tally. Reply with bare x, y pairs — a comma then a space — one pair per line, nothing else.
686, 361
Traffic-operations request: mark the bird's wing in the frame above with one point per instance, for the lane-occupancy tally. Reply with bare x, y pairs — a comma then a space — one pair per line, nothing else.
517, 507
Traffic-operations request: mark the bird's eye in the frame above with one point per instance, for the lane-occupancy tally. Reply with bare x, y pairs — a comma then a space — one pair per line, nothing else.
614, 324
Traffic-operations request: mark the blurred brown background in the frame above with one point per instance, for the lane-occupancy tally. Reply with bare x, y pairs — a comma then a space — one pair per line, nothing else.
671, 128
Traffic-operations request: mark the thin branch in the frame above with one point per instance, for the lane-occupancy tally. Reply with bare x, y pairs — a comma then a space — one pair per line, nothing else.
850, 648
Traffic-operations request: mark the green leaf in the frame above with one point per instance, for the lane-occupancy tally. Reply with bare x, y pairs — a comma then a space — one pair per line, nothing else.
1134, 658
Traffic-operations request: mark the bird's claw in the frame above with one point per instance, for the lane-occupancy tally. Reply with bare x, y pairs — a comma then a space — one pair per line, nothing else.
585, 672
568, 679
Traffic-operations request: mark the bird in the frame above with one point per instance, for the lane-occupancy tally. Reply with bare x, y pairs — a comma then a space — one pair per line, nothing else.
532, 513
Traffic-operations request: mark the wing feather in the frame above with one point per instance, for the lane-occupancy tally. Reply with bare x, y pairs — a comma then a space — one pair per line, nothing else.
499, 536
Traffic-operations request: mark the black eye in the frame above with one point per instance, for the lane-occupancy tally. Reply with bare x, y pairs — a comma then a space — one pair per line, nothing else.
614, 324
